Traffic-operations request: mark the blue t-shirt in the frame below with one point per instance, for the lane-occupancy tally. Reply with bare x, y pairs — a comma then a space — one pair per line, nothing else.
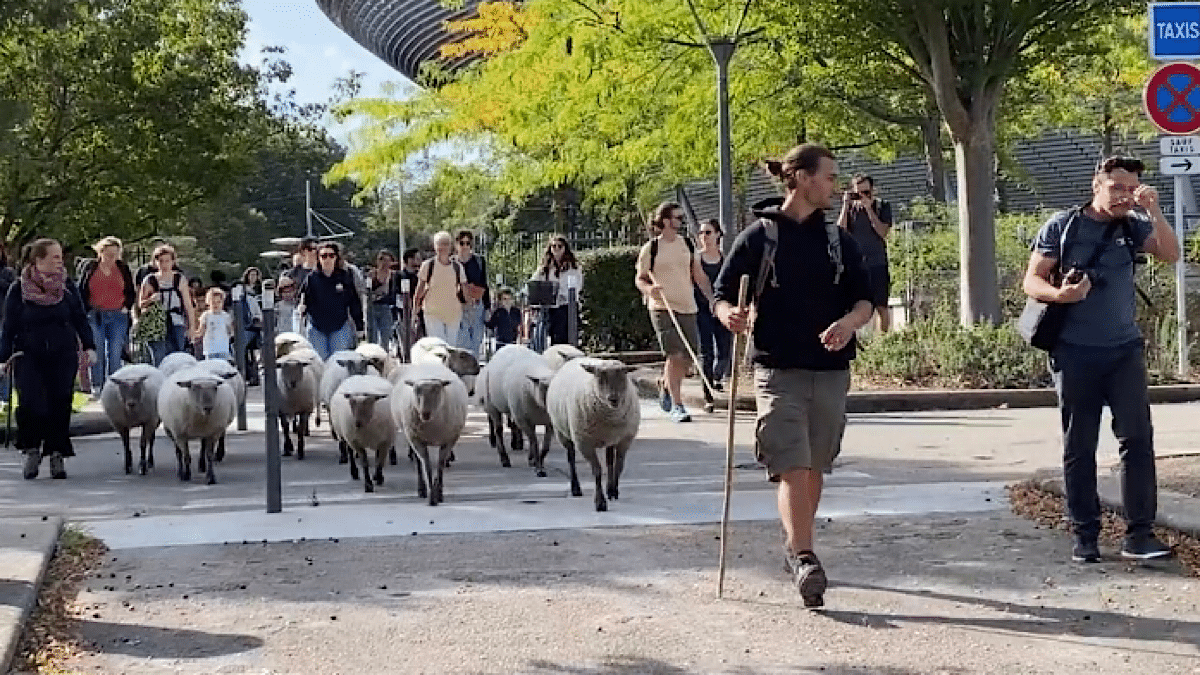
1107, 317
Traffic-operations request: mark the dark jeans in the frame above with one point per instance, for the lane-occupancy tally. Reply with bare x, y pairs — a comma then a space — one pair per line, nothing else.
559, 328
715, 344
45, 386
1087, 378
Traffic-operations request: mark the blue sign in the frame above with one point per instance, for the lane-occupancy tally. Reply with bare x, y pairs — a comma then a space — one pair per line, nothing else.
1174, 31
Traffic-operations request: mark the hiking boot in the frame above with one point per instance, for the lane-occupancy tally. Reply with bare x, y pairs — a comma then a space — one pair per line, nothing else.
56, 467
709, 408
680, 414
1144, 547
809, 577
664, 397
33, 459
1086, 550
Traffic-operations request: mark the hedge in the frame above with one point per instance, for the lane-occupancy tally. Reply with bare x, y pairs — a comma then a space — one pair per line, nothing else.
613, 315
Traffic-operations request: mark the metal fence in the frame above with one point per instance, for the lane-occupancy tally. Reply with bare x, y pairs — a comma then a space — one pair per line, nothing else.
514, 258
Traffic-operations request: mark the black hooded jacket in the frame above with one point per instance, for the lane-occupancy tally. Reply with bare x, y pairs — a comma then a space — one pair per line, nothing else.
801, 300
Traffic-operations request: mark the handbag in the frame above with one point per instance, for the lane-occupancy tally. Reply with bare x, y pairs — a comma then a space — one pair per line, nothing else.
152, 326
1041, 323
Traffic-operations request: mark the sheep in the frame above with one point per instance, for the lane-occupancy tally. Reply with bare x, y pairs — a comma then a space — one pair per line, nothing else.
296, 376
130, 399
313, 359
462, 362
557, 355
516, 386
174, 362
195, 404
429, 407
377, 356
361, 415
593, 404
288, 341
228, 372
341, 365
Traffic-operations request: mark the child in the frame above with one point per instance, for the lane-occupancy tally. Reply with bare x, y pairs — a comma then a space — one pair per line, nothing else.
216, 326
505, 320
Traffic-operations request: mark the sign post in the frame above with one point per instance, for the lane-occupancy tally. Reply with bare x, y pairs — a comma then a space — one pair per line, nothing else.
270, 400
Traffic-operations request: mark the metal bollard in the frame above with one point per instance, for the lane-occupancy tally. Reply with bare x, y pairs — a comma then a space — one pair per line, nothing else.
572, 316
271, 400
239, 348
404, 335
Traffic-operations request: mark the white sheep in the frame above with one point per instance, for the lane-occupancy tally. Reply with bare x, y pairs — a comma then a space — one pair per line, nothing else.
593, 404
517, 378
228, 372
361, 416
429, 407
377, 356
287, 341
174, 362
130, 399
557, 355
296, 376
339, 366
314, 361
462, 362
195, 404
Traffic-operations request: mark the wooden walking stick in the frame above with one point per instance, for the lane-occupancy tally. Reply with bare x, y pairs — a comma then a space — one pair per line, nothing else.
734, 376
8, 419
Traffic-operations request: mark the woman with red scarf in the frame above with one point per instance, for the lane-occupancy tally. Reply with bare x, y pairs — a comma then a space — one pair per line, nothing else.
44, 322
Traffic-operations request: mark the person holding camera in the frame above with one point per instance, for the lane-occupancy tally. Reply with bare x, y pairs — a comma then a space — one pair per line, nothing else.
1098, 357
869, 220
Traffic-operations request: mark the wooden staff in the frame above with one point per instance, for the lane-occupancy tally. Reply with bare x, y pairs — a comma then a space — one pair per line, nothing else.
734, 377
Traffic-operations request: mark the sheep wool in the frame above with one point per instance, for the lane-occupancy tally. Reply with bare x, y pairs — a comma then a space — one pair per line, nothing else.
429, 406
130, 399
361, 415
195, 404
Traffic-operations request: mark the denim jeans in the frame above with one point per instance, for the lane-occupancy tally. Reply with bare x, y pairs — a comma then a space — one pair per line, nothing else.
470, 331
174, 342
1087, 378
716, 342
325, 344
381, 320
110, 328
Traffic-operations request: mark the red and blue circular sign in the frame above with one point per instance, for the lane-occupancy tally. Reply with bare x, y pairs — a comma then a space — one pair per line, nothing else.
1172, 98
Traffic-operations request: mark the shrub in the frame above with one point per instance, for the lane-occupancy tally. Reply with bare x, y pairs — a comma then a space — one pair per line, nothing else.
613, 316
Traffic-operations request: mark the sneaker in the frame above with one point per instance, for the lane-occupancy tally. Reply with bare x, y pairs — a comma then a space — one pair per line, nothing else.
810, 579
709, 408
680, 414
664, 397
1086, 550
56, 467
33, 459
717, 386
1144, 547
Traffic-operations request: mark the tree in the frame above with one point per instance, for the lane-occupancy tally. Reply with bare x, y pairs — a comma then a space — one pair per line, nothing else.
131, 111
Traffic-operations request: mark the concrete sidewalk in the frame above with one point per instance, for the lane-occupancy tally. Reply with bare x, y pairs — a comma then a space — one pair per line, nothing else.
26, 546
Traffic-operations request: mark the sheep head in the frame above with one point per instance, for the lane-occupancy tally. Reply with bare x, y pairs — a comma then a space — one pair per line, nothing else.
461, 361
292, 373
131, 391
203, 391
355, 366
612, 379
541, 382
428, 396
284, 346
362, 406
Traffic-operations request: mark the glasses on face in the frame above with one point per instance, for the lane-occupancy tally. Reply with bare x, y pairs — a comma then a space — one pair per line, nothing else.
464, 242
707, 233
326, 256
557, 247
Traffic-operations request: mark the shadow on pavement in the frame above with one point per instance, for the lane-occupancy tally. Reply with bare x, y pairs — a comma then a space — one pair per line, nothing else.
162, 643
644, 666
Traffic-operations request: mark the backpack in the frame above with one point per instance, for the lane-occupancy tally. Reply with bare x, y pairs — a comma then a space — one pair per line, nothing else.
654, 249
458, 274
766, 264
179, 283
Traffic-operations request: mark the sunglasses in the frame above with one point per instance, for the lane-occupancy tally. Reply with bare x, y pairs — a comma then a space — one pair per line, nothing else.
464, 243
557, 246
707, 232
328, 255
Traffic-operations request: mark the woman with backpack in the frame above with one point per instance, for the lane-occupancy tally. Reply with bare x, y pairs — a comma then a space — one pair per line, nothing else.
383, 285
329, 299
439, 291
106, 287
559, 265
252, 320
44, 322
168, 315
716, 341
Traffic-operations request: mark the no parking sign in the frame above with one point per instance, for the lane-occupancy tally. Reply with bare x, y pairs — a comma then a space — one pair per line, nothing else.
1172, 98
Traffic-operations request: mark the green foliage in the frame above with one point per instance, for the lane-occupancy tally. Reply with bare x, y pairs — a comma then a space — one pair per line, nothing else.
938, 352
613, 316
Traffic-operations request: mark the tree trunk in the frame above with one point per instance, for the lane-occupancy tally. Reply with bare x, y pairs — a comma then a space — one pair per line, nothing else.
1107, 131
935, 162
979, 296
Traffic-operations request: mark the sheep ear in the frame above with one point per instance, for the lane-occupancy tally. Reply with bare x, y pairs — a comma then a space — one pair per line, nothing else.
443, 383
590, 367
348, 395
628, 370
345, 363
185, 384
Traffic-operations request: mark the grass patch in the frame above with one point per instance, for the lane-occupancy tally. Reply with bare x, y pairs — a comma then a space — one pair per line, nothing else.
49, 639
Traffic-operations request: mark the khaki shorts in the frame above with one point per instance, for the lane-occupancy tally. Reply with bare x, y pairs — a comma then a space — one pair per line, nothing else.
801, 418
669, 339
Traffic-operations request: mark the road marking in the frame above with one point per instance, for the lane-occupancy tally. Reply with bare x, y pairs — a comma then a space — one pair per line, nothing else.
486, 516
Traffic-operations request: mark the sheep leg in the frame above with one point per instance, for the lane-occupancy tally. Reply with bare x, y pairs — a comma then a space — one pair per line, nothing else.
148, 453
206, 448
343, 452
368, 484
392, 457
303, 421
518, 441
589, 453
541, 460
529, 430
576, 491
438, 481
128, 452
285, 421
219, 455
202, 458
183, 458
147, 439
497, 439
350, 457
616, 464
424, 473
381, 457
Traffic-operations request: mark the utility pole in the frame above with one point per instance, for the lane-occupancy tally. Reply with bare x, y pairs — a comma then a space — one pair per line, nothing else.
308, 231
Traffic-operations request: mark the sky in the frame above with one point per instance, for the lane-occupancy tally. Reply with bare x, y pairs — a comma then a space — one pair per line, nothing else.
318, 50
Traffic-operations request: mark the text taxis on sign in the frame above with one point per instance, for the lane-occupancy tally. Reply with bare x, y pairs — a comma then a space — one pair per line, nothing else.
1174, 31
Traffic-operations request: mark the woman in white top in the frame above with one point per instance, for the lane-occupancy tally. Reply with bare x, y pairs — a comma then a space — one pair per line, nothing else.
216, 326
168, 288
559, 265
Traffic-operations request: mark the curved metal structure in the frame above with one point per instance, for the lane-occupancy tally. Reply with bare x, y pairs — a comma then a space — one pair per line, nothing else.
405, 33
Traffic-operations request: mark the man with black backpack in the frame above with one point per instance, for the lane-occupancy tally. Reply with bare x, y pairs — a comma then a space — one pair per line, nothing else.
811, 292
1084, 258
668, 271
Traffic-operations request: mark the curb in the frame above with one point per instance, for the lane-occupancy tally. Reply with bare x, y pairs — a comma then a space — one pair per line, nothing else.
26, 548
1175, 510
916, 399
83, 423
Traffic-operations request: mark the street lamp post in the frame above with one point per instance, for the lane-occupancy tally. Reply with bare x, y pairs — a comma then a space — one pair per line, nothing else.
722, 49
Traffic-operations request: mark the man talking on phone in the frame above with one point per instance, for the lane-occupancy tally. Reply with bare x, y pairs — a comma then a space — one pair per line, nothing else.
1098, 358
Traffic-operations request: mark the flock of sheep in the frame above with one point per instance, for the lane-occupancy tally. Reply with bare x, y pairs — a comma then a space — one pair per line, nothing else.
376, 405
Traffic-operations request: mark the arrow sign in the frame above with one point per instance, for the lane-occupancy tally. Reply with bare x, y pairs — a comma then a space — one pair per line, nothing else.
1180, 166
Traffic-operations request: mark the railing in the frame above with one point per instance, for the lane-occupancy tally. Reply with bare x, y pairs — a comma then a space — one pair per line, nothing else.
513, 258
